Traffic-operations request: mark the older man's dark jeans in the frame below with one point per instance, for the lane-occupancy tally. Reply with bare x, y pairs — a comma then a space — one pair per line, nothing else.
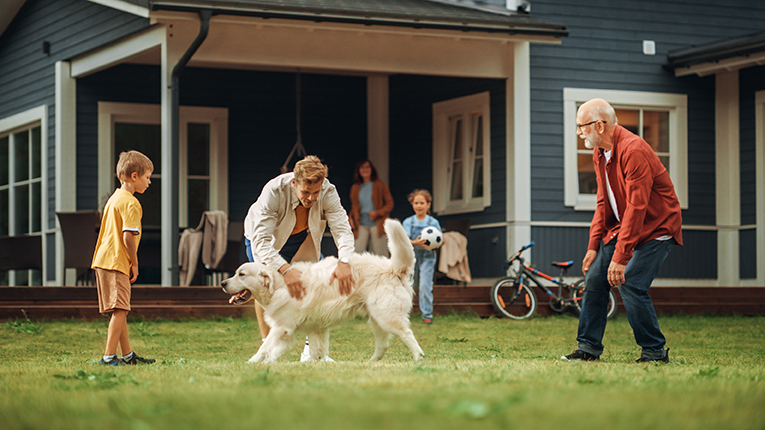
639, 274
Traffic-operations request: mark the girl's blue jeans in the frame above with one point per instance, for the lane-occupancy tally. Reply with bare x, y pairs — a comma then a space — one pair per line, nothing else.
646, 260
424, 268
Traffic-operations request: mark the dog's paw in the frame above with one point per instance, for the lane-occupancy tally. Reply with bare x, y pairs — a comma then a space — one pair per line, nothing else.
256, 359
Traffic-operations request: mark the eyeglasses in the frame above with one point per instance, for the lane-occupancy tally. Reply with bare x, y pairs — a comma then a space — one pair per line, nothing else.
578, 126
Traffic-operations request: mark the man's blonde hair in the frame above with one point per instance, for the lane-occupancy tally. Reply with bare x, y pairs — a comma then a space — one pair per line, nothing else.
310, 170
133, 161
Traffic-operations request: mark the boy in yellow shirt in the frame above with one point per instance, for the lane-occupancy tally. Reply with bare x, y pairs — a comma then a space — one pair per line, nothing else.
115, 260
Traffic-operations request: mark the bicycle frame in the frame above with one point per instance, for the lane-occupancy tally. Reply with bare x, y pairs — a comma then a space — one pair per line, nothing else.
520, 284
534, 274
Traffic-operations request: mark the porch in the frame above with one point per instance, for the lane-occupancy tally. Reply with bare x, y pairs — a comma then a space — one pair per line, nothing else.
190, 302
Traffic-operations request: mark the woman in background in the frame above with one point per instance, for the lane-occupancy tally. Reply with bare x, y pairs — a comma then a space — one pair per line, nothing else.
371, 202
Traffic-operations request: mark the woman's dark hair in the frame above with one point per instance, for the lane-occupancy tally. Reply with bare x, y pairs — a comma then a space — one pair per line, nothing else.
357, 177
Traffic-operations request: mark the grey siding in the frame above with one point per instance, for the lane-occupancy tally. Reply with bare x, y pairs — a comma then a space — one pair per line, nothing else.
559, 244
486, 252
747, 252
604, 51
27, 75
692, 261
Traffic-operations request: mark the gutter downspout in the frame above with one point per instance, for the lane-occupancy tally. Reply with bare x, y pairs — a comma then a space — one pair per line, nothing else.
204, 27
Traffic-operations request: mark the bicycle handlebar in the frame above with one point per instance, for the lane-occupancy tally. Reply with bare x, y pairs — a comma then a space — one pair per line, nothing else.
518, 254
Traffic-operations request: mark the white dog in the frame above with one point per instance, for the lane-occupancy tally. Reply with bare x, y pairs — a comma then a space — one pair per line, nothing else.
383, 291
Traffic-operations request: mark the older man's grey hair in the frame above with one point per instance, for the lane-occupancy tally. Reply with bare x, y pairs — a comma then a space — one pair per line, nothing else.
604, 112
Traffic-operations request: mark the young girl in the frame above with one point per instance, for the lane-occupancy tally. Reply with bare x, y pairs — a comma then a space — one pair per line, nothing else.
425, 265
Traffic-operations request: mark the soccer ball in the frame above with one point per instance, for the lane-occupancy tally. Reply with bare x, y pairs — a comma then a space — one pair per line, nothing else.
433, 237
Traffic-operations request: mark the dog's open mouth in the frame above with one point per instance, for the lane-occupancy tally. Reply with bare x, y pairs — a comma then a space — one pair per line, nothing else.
240, 297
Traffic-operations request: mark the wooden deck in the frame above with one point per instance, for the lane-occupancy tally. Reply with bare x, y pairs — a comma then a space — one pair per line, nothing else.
185, 302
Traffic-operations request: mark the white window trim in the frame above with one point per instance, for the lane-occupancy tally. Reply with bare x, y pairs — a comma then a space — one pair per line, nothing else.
676, 104
27, 120
217, 118
442, 111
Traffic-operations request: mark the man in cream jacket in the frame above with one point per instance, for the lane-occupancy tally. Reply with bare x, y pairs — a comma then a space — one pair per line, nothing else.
287, 223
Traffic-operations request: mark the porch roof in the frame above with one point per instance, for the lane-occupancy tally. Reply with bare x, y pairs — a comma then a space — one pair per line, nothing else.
726, 54
462, 15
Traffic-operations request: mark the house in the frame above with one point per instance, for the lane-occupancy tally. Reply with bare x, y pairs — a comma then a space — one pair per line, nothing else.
474, 100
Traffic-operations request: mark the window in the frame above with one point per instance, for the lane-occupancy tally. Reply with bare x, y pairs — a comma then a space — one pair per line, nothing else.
21, 194
202, 173
659, 118
461, 149
203, 183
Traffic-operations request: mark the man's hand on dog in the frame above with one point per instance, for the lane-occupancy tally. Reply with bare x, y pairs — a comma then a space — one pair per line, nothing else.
344, 277
295, 287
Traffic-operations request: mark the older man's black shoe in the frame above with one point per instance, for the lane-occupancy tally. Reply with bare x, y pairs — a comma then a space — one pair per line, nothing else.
580, 355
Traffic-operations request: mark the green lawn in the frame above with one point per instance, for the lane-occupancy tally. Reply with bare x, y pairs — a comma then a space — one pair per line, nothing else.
477, 373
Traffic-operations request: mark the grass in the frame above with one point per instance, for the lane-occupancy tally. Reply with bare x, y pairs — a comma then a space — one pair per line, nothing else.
478, 373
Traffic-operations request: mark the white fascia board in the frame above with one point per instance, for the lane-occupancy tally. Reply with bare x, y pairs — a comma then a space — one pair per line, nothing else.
726, 65
124, 7
104, 57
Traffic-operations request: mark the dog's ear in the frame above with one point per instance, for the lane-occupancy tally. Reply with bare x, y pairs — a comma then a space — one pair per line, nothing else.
268, 281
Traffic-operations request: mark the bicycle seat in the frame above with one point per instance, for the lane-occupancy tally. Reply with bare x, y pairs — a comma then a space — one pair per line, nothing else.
564, 264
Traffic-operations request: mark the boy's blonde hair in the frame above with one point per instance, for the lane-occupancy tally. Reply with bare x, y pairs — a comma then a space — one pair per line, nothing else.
310, 170
133, 161
420, 192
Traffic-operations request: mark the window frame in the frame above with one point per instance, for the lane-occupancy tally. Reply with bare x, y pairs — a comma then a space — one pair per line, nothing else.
28, 120
443, 150
675, 104
137, 113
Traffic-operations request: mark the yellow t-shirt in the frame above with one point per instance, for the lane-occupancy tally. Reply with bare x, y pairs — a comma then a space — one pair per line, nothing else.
122, 213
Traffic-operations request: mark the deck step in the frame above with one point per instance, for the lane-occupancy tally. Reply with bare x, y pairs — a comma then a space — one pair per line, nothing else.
184, 302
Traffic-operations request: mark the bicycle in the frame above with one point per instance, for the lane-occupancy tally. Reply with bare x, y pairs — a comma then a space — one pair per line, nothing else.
513, 297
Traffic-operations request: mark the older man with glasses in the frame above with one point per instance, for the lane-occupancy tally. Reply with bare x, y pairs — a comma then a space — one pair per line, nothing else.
637, 221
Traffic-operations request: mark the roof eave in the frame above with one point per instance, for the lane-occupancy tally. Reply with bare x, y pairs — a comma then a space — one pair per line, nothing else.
531, 30
739, 52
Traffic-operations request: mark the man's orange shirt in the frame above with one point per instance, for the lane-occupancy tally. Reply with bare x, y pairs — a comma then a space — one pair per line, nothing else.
301, 223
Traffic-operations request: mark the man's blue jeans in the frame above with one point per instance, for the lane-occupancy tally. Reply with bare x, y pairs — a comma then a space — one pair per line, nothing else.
646, 260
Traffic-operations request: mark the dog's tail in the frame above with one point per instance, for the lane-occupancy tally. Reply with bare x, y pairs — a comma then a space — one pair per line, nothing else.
400, 247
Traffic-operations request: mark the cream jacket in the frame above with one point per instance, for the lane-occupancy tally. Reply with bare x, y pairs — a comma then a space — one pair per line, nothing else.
271, 219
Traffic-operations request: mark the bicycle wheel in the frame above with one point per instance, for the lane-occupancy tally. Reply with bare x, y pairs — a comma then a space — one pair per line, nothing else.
513, 299
577, 292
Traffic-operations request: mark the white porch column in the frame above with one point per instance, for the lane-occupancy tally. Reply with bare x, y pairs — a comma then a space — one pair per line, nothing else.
377, 124
518, 147
66, 156
727, 168
171, 53
760, 183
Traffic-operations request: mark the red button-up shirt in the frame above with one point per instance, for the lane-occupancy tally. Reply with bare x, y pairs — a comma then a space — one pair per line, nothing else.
645, 197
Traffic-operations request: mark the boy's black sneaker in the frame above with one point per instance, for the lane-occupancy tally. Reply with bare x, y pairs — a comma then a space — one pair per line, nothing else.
116, 361
133, 359
580, 355
665, 359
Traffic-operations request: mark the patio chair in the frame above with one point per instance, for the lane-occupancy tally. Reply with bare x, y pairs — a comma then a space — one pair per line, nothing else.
80, 232
20, 252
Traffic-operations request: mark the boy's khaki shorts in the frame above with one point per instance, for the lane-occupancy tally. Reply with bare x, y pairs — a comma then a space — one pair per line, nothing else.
113, 290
